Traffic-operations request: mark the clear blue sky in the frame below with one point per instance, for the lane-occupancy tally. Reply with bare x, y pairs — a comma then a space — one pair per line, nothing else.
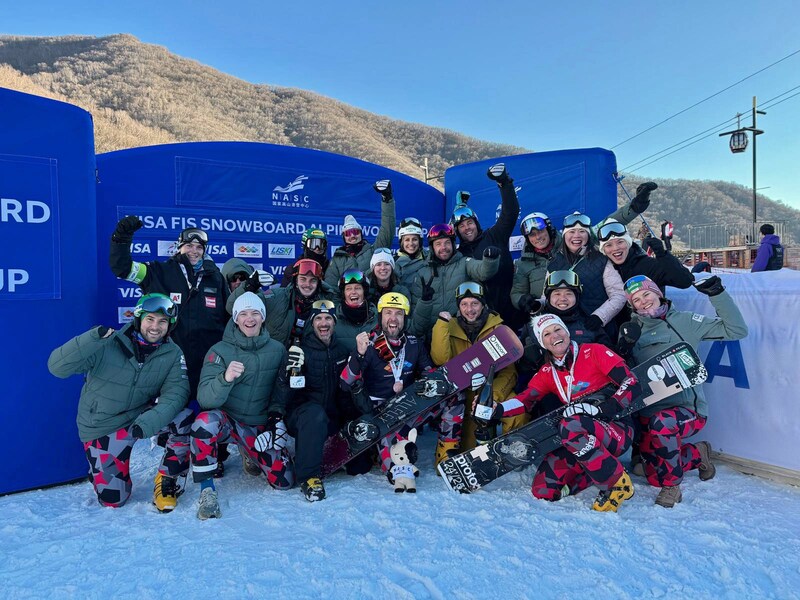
545, 76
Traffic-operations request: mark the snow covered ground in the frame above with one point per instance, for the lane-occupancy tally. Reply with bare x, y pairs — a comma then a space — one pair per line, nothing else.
732, 537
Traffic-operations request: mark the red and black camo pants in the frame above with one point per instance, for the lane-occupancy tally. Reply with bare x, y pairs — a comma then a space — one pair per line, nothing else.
664, 454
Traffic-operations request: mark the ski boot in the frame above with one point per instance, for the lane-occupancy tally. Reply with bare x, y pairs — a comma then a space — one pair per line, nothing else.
313, 489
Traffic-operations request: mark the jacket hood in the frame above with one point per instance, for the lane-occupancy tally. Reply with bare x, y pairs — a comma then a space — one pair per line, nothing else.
235, 265
772, 239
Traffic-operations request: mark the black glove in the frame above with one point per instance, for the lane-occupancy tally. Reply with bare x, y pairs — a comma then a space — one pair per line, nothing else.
594, 323
136, 432
710, 287
499, 174
655, 244
102, 331
384, 188
529, 304
268, 439
491, 252
253, 283
126, 227
595, 405
497, 414
629, 334
641, 201
427, 289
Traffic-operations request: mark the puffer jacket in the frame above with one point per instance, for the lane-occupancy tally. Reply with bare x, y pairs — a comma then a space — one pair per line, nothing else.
407, 267
346, 330
247, 397
692, 328
119, 391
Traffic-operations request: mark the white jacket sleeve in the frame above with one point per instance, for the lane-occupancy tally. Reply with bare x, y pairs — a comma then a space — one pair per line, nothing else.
615, 292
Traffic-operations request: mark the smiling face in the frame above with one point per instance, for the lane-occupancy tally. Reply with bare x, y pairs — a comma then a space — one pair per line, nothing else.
539, 238
645, 301
616, 249
193, 251
443, 249
410, 244
555, 339
352, 236
323, 326
392, 321
576, 238
468, 230
382, 272
354, 294
562, 298
154, 327
249, 322
307, 285
470, 309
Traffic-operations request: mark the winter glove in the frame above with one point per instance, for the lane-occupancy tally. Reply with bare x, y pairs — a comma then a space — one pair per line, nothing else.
499, 174
126, 227
594, 323
384, 188
102, 331
629, 334
427, 289
296, 358
529, 304
710, 287
462, 198
654, 244
641, 201
253, 283
491, 252
274, 436
136, 432
264, 278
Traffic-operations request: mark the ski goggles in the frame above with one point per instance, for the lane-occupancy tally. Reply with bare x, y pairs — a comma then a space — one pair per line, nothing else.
462, 213
469, 289
410, 222
565, 277
577, 220
351, 232
609, 230
156, 303
316, 244
193, 234
533, 224
353, 276
306, 266
441, 230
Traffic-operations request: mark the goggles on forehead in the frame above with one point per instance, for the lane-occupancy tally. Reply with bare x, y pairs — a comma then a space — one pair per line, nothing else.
441, 230
193, 234
307, 266
156, 303
577, 219
352, 276
462, 213
469, 288
565, 277
609, 230
323, 305
410, 222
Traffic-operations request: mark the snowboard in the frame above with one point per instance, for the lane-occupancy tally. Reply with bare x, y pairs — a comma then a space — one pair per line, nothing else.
467, 370
667, 373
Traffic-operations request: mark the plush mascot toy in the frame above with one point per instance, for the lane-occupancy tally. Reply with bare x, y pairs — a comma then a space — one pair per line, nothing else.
403, 473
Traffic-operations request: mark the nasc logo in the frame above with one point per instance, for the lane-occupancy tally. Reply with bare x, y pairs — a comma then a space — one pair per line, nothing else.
248, 250
288, 196
281, 250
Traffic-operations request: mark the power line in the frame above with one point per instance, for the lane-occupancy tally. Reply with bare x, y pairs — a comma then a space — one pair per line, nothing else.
705, 99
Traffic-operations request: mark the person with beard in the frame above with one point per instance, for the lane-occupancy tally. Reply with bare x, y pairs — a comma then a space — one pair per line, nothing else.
473, 240
315, 407
411, 256
629, 259
436, 283
384, 363
135, 387
288, 308
356, 251
354, 314
594, 384
541, 241
382, 276
665, 424
189, 280
315, 247
452, 336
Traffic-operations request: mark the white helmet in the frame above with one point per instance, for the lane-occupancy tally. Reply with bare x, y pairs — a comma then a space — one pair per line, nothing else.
409, 226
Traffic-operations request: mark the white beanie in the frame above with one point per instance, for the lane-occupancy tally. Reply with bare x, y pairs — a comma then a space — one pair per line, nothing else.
248, 301
350, 223
381, 255
627, 237
542, 322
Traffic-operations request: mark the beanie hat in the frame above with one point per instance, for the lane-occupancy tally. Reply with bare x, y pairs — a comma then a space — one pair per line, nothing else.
638, 283
350, 223
542, 322
248, 301
381, 255
627, 236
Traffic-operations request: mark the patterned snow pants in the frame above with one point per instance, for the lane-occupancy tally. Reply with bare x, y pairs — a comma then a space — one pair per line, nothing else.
450, 415
110, 456
664, 454
214, 427
588, 456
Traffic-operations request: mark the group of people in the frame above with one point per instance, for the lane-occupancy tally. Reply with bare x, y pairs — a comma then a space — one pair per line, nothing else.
214, 357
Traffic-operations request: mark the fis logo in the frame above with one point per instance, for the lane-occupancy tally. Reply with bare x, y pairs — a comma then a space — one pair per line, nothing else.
248, 250
281, 250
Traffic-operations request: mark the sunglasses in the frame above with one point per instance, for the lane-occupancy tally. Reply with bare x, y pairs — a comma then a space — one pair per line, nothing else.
577, 219
566, 277
193, 234
533, 224
609, 230
469, 288
443, 229
157, 304
351, 232
352, 276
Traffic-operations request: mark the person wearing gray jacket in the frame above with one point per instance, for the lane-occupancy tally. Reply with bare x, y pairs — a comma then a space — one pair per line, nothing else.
136, 387
655, 326
356, 251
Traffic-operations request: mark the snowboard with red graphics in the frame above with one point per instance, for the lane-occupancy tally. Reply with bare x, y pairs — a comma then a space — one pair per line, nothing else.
664, 375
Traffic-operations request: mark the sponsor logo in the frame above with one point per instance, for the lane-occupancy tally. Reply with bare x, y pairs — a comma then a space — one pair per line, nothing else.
656, 373
167, 248
140, 248
287, 196
516, 243
248, 250
590, 444
466, 471
281, 251
130, 292
175, 297
216, 249
293, 186
125, 314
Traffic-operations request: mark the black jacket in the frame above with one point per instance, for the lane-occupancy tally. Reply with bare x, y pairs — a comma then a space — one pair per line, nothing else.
201, 305
664, 269
498, 287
